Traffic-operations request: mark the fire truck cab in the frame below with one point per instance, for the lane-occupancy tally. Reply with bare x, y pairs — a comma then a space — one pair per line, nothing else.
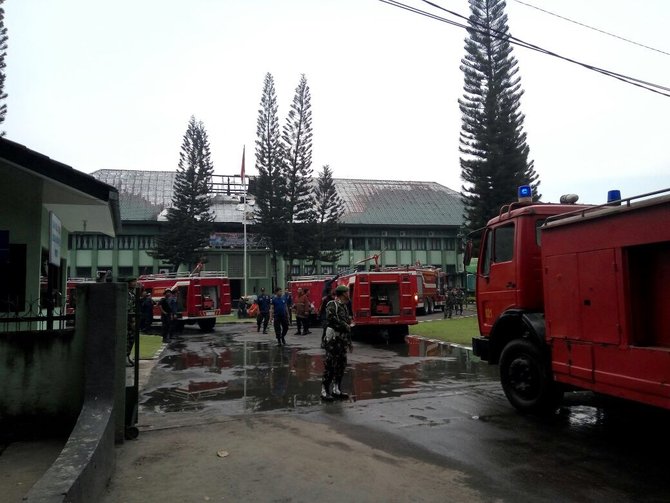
200, 298
573, 297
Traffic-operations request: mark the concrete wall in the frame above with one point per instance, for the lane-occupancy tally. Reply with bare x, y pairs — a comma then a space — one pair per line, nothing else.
87, 462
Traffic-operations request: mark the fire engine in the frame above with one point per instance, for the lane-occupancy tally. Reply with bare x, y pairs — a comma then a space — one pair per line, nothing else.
201, 296
381, 301
574, 297
430, 287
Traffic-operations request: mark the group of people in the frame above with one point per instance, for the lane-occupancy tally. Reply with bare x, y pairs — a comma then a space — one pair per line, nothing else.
454, 302
336, 323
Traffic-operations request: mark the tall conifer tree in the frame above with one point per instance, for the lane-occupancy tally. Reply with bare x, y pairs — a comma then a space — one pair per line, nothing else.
325, 231
492, 141
270, 191
189, 220
297, 139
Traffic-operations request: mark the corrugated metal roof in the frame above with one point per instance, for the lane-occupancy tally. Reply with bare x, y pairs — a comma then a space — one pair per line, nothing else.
392, 202
144, 194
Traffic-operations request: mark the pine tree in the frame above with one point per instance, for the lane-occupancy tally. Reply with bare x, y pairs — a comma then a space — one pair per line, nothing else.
189, 220
495, 160
270, 188
297, 138
3, 53
325, 230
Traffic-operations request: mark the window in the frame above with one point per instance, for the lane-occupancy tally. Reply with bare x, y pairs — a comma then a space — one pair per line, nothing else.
451, 269
83, 272
419, 243
13, 273
235, 266
146, 242
341, 269
258, 266
435, 244
105, 243
295, 270
498, 247
84, 242
358, 243
504, 243
450, 244
124, 242
310, 270
390, 244
326, 269
405, 243
125, 272
374, 243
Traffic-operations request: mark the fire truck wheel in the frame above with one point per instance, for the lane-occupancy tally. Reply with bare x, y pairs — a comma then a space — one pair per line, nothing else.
207, 325
526, 378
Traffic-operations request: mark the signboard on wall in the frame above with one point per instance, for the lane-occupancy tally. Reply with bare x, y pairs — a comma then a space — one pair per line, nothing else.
54, 239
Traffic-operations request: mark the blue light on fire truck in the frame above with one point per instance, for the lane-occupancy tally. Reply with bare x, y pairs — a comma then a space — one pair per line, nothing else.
613, 196
525, 194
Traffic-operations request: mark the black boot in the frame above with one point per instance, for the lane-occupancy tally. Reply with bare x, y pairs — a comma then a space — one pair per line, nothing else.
338, 394
325, 394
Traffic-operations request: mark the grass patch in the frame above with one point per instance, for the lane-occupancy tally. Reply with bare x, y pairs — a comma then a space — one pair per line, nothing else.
149, 344
455, 330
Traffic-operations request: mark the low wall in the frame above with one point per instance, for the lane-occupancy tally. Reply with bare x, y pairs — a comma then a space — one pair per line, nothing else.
87, 461
42, 376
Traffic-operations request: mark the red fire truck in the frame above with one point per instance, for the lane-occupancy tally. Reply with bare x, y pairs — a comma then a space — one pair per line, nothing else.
200, 297
574, 297
381, 301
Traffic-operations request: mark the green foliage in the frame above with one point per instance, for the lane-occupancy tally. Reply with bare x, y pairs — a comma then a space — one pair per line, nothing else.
325, 229
3, 65
270, 190
189, 221
492, 141
297, 142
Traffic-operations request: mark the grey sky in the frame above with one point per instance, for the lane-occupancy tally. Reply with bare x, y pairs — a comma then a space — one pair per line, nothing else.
112, 85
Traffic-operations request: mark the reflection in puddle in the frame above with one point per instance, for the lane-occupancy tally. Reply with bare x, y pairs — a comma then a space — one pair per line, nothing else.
262, 376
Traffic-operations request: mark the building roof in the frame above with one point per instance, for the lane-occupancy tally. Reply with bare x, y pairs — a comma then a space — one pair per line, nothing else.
69, 193
145, 194
398, 203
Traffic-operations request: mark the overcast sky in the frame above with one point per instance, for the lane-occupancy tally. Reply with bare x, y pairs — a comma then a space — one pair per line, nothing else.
112, 85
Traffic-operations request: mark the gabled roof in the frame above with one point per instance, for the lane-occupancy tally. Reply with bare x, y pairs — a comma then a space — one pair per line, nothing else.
71, 194
397, 203
144, 194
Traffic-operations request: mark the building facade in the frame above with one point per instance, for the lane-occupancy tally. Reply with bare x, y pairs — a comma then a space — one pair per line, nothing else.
396, 223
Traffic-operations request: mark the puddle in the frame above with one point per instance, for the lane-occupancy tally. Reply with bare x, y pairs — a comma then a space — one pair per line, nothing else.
215, 371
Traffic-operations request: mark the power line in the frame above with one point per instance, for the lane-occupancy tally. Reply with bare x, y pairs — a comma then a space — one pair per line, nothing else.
485, 30
592, 28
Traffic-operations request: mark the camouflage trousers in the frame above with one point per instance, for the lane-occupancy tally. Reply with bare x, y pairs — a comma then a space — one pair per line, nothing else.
130, 335
336, 361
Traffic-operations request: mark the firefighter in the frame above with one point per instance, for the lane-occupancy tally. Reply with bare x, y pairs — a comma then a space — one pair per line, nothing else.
167, 315
280, 312
337, 340
263, 302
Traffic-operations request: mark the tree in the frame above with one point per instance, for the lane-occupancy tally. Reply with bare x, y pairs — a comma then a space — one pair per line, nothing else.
270, 210
3, 53
297, 139
189, 221
325, 230
495, 154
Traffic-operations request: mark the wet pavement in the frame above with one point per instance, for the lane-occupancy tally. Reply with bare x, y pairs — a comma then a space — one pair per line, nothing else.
422, 401
236, 370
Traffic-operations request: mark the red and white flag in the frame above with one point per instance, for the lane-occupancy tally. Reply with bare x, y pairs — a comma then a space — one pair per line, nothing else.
242, 173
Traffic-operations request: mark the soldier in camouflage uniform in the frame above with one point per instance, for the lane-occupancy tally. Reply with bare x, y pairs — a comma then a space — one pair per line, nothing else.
450, 302
132, 311
337, 340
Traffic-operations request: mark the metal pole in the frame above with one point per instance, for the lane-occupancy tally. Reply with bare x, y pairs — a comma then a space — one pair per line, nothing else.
244, 217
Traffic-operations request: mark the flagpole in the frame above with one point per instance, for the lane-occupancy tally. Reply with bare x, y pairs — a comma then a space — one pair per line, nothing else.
244, 221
